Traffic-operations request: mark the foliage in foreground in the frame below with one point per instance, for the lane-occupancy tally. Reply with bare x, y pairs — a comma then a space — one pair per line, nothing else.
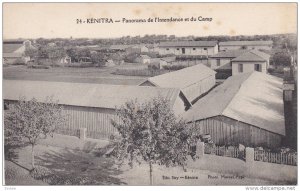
30, 121
151, 132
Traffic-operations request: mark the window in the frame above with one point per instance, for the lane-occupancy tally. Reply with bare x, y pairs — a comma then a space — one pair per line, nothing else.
205, 48
177, 48
167, 49
183, 50
194, 48
218, 62
257, 67
240, 68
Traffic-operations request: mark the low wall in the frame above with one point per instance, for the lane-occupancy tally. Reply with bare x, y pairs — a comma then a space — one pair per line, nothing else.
285, 174
272, 171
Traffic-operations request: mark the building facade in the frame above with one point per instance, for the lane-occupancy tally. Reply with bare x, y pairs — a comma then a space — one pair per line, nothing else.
240, 61
189, 48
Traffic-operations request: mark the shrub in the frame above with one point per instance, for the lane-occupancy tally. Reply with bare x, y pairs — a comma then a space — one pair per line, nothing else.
82, 65
271, 70
39, 67
19, 61
138, 72
153, 66
174, 67
40, 173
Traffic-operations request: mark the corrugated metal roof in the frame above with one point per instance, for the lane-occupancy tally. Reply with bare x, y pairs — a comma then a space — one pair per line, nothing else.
253, 98
84, 94
252, 55
189, 44
245, 43
182, 78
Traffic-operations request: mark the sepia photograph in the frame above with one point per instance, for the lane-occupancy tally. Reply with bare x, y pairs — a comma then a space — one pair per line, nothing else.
150, 94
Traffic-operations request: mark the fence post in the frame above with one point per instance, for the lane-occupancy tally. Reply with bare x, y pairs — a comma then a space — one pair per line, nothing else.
82, 133
249, 159
200, 149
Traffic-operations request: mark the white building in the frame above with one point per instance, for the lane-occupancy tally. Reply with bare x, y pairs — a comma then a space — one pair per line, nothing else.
190, 48
250, 61
240, 61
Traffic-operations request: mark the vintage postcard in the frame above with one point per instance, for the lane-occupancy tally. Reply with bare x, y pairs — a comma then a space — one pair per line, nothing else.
140, 94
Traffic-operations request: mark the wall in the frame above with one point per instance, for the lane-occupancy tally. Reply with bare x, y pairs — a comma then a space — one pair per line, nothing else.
97, 121
281, 174
248, 67
223, 61
224, 130
188, 50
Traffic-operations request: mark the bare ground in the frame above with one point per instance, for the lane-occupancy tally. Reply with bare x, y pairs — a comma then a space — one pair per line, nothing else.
92, 164
98, 75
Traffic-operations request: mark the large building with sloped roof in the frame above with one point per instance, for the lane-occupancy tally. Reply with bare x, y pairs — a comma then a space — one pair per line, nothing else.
91, 106
246, 109
189, 48
193, 81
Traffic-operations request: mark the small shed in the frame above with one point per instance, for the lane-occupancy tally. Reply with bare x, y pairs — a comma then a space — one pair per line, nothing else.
192, 81
90, 106
246, 109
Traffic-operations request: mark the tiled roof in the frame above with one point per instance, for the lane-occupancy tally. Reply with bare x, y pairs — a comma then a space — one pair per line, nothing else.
252, 56
229, 54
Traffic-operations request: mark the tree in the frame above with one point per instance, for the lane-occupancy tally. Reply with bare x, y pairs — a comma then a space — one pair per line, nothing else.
281, 59
31, 52
151, 132
33, 120
98, 58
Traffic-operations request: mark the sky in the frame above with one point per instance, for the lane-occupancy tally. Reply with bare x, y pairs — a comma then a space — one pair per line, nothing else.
58, 20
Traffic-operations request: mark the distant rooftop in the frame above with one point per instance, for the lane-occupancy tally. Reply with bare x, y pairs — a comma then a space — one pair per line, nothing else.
229, 54
245, 43
189, 44
253, 55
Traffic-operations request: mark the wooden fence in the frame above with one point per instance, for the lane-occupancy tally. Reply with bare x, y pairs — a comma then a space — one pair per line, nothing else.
229, 151
279, 158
